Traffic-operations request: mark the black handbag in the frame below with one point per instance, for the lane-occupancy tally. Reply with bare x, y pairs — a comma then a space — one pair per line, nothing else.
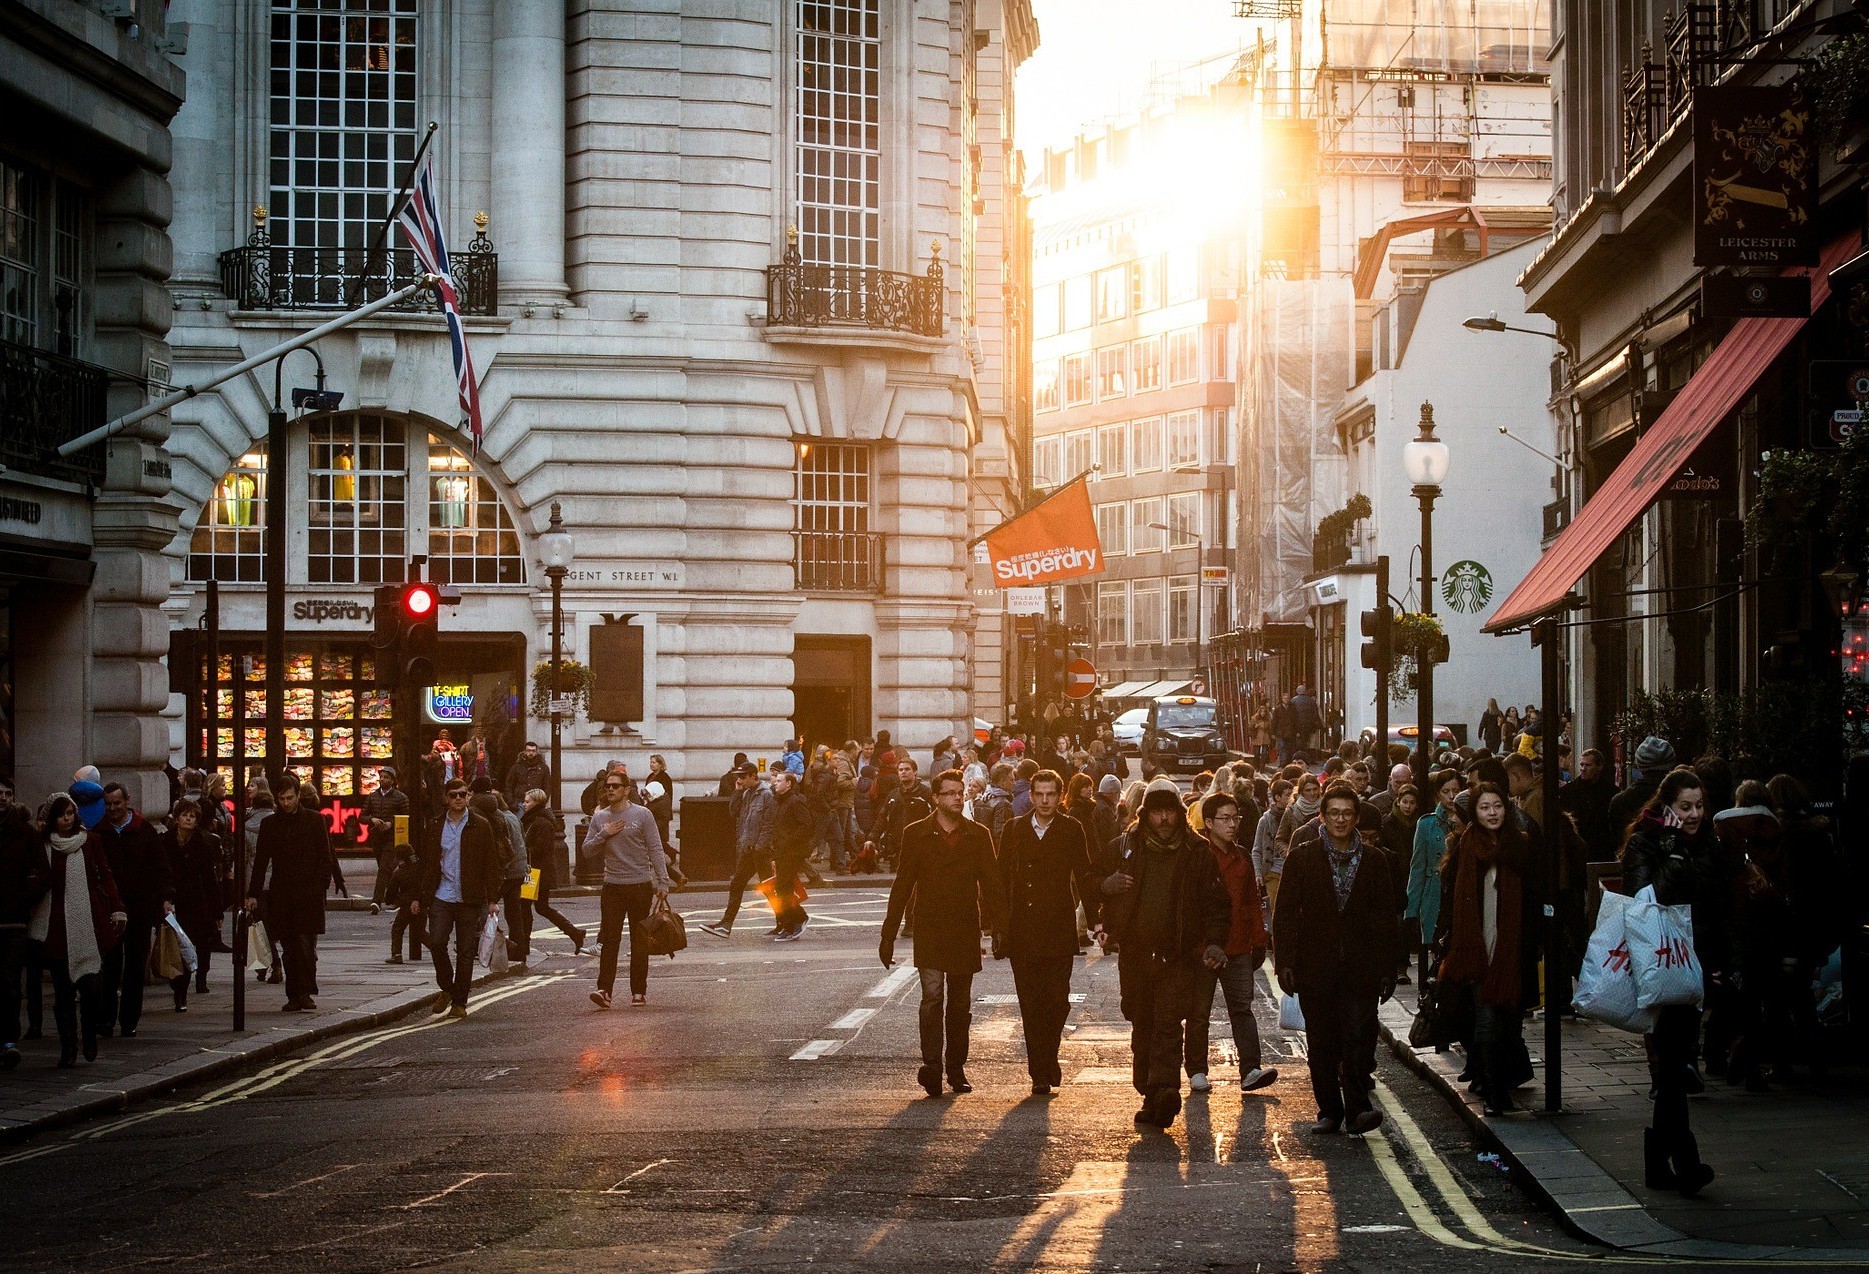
664, 932
1444, 1015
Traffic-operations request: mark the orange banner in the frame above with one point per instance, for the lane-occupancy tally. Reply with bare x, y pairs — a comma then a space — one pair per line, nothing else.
1054, 540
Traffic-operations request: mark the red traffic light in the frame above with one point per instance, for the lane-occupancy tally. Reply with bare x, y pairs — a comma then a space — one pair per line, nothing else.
419, 601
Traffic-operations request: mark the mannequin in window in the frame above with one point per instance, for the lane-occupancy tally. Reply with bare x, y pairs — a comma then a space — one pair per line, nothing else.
343, 485
452, 492
237, 494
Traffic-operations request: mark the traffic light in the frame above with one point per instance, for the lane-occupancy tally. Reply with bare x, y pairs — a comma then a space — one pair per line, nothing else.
418, 607
1378, 650
1057, 656
388, 616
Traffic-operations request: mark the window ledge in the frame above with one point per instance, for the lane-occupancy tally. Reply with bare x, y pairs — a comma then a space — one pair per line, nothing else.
857, 338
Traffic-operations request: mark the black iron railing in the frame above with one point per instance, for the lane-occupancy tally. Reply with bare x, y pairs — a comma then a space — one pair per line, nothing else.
1693, 53
262, 275
800, 295
838, 561
1644, 110
44, 400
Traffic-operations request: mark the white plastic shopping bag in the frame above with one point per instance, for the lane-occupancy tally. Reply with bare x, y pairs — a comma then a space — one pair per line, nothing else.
1661, 947
259, 948
492, 952
1606, 983
1290, 1016
191, 959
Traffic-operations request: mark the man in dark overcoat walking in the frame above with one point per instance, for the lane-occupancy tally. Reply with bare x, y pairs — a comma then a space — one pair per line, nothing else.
293, 865
947, 866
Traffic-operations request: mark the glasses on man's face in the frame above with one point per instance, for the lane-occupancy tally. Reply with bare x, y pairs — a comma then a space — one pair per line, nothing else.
614, 783
1339, 814
1224, 818
457, 796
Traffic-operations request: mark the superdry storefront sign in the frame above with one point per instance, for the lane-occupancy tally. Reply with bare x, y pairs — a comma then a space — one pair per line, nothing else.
318, 610
1056, 539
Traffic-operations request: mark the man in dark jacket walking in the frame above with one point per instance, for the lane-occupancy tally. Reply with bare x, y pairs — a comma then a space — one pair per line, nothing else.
147, 887
947, 866
462, 881
1165, 905
791, 845
25, 875
1042, 855
293, 865
380, 811
751, 810
528, 770
908, 802
1335, 931
1305, 718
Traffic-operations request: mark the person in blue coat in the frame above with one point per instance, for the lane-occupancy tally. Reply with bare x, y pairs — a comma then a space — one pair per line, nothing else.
1423, 912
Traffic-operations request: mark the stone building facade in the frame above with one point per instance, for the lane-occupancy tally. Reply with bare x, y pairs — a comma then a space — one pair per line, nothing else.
740, 311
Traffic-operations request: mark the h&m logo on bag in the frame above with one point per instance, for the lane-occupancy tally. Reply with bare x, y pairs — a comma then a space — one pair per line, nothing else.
1617, 961
1673, 952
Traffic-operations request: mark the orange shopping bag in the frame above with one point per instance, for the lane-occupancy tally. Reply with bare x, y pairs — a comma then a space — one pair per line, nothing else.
770, 888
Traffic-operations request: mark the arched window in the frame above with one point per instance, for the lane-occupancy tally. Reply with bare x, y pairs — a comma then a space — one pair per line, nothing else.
471, 537
230, 539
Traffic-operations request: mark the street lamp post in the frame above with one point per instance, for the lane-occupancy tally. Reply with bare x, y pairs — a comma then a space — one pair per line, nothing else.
1425, 461
555, 549
1200, 628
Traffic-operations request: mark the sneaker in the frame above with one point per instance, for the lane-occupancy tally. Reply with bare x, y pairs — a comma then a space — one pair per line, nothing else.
802, 926
395, 959
1364, 1122
457, 1010
718, 931
788, 935
637, 1001
1198, 1082
441, 1002
1258, 1077
181, 1008
775, 931
9, 1058
376, 908
601, 999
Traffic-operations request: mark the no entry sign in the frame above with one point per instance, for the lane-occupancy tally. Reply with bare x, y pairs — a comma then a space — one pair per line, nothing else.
1080, 678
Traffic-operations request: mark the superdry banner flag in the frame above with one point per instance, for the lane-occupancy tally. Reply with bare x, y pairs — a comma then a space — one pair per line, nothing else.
1754, 167
1056, 539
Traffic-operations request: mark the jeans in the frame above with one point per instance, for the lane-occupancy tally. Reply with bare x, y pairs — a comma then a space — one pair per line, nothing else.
301, 953
518, 921
620, 902
1340, 1025
792, 914
1044, 987
385, 868
1156, 998
1236, 982
752, 862
946, 1014
75, 1005
1496, 1034
120, 998
461, 921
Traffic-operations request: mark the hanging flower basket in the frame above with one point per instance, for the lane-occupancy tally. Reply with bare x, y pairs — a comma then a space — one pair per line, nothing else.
1412, 636
573, 682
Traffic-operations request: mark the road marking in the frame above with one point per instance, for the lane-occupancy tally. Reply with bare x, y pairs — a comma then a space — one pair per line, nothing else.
816, 1049
618, 1187
467, 1179
274, 1194
897, 979
853, 1019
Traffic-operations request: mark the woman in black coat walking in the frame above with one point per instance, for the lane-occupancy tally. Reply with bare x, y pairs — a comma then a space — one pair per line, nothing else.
195, 859
545, 851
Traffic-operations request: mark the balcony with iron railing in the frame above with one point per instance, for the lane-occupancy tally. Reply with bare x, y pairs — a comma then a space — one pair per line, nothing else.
838, 561
800, 295
44, 400
1698, 41
263, 275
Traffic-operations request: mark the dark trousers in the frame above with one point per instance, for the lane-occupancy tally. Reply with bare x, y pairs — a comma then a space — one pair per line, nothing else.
792, 913
301, 957
120, 998
34, 988
1340, 1028
385, 868
77, 1007
751, 863
1676, 1041
1156, 997
518, 921
1236, 983
12, 966
408, 922
179, 984
1498, 1037
946, 1014
543, 906
621, 902
460, 921
1044, 987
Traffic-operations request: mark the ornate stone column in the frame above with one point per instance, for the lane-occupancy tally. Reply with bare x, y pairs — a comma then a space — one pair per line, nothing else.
529, 149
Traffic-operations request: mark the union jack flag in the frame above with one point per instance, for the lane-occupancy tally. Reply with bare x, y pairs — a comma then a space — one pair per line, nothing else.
421, 225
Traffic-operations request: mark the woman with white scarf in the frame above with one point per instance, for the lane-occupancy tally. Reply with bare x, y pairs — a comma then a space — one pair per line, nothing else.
77, 922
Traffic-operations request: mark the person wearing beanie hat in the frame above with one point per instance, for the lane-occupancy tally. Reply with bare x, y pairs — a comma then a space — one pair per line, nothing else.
1654, 757
1167, 908
89, 798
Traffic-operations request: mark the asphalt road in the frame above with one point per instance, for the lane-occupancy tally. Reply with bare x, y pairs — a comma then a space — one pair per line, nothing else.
760, 1113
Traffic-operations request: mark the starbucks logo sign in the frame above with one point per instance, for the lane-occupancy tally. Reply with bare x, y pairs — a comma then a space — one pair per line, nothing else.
1467, 586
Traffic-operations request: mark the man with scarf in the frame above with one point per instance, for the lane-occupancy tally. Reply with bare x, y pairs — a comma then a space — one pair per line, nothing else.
1165, 905
1336, 936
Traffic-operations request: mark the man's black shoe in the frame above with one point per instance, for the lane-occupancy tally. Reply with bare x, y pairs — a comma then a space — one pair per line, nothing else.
1325, 1127
1041, 1090
1363, 1122
958, 1082
929, 1078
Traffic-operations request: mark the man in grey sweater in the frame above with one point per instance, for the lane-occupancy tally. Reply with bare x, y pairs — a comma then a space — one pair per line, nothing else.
635, 873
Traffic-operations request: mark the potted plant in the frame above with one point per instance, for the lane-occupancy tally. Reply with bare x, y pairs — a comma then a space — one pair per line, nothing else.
1412, 637
1330, 543
572, 682
1837, 86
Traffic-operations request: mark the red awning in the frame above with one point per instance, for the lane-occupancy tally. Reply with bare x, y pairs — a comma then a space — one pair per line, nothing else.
1712, 392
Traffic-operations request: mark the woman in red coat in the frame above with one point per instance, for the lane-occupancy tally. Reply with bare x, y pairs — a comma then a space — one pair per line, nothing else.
78, 922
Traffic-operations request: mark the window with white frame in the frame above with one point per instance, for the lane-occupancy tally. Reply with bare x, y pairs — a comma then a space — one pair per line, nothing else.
1112, 451
229, 543
1113, 372
1077, 298
838, 116
1080, 447
1143, 515
1045, 385
1182, 612
1112, 294
1183, 272
357, 500
1047, 459
1220, 443
834, 482
1145, 284
1145, 445
1184, 516
1223, 336
1146, 360
471, 536
1076, 379
1184, 438
1145, 612
1113, 528
1045, 314
1113, 614
1183, 355
343, 117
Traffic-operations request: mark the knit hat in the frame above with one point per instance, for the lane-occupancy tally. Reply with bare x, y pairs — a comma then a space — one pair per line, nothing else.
1161, 790
89, 798
1015, 746
1654, 753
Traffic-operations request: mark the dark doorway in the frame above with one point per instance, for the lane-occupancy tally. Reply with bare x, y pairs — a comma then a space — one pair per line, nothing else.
830, 689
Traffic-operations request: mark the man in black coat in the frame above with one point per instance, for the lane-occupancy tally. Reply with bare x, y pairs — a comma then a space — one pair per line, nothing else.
947, 866
1041, 856
1338, 944
381, 808
293, 865
1165, 905
909, 801
147, 887
25, 875
463, 879
528, 770
1587, 799
791, 846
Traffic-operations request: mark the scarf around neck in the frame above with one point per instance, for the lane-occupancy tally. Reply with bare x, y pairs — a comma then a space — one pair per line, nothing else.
1306, 810
81, 950
1497, 976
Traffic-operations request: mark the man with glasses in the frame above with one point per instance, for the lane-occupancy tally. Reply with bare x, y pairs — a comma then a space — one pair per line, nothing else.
635, 873
1338, 946
1245, 952
462, 880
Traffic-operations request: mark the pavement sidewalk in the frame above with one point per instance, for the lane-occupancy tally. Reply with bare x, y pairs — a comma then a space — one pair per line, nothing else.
1793, 1163
360, 880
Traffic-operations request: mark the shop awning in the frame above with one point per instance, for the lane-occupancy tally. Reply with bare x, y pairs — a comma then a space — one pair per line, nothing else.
1125, 689
1713, 391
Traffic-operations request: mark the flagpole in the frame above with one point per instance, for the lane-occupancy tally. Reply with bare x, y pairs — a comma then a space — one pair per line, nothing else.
395, 209
1057, 491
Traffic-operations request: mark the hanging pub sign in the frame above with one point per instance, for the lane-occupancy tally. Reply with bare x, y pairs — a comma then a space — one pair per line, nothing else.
1754, 176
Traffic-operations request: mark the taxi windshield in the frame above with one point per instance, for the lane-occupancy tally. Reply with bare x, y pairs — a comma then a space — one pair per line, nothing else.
1183, 716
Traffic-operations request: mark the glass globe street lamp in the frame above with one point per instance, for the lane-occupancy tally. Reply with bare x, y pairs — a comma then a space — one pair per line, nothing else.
556, 549
1425, 460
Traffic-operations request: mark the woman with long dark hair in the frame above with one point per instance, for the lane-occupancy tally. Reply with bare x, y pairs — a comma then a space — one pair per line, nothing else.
1672, 846
77, 923
545, 850
195, 859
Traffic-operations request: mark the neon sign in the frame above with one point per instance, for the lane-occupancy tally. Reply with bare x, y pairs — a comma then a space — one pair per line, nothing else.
449, 704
